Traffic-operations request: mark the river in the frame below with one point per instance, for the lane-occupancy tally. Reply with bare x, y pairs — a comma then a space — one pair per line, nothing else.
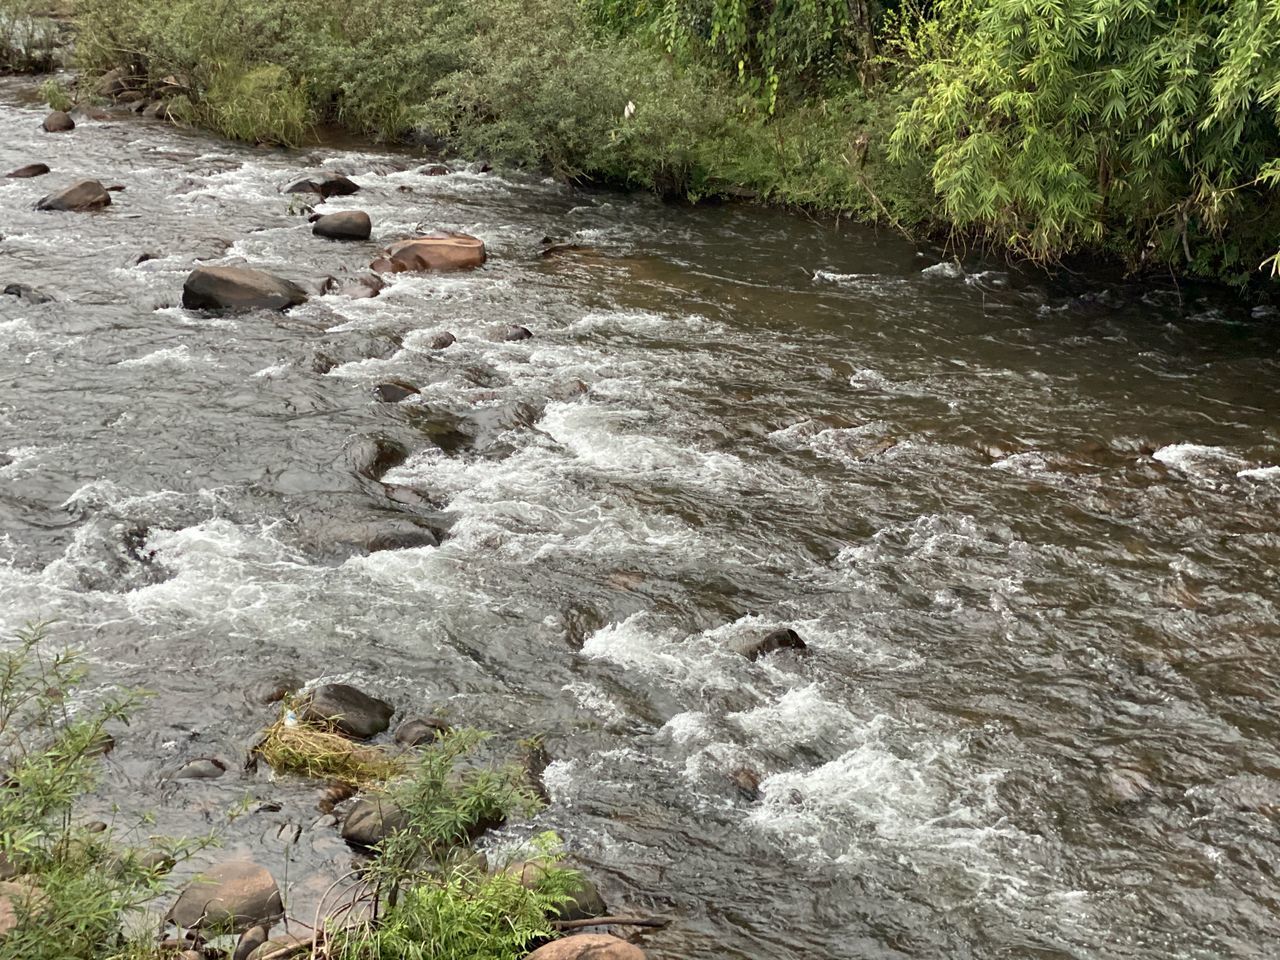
1026, 526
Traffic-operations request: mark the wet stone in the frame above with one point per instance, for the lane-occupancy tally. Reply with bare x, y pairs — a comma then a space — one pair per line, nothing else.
81, 196
201, 768
58, 122
28, 171
231, 896
348, 709
782, 639
345, 225
393, 391
419, 730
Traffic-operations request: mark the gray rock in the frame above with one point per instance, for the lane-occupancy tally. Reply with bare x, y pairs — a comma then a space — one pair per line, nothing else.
58, 122
238, 288
513, 332
27, 294
349, 710
28, 171
442, 340
249, 941
393, 391
344, 225
231, 897
408, 539
783, 639
80, 196
327, 185
156, 110
420, 730
371, 821
201, 768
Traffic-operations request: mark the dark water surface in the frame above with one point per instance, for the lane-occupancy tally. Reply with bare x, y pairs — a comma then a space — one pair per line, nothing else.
1029, 533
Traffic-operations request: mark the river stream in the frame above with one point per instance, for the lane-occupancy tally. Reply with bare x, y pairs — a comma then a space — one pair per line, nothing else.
1026, 526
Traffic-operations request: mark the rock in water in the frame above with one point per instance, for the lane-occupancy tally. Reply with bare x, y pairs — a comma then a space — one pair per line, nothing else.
59, 122
436, 252
370, 822
232, 896
238, 288
393, 391
783, 639
81, 195
588, 946
346, 225
30, 170
354, 713
27, 294
327, 185
419, 730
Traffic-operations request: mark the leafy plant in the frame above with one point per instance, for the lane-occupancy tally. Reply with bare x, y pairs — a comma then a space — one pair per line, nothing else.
56, 95
51, 746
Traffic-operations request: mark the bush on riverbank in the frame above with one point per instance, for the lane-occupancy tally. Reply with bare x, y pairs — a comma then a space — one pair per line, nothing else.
66, 882
1143, 130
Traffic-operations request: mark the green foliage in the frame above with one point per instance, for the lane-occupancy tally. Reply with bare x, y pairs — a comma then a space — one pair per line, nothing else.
29, 40
462, 914
56, 95
783, 45
447, 801
1146, 125
50, 752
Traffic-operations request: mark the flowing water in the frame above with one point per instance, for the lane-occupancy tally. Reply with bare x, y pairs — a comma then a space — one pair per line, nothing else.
1027, 529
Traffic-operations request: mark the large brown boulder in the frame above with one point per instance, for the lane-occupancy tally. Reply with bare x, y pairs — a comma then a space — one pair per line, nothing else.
350, 710
58, 122
435, 252
81, 195
344, 225
229, 898
588, 946
238, 288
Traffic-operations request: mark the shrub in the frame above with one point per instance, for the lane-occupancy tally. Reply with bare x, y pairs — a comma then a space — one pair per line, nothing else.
50, 754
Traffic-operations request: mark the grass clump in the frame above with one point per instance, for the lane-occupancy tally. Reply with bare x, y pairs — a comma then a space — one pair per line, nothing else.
434, 902
82, 886
56, 95
293, 745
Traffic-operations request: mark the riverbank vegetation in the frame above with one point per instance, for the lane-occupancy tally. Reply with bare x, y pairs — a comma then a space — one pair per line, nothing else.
1145, 130
72, 888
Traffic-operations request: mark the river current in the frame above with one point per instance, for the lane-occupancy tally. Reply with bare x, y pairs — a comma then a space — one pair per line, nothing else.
1026, 526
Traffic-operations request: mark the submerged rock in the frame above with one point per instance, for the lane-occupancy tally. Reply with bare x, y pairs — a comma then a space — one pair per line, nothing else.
58, 122
442, 340
327, 185
420, 730
351, 711
27, 294
81, 195
512, 333
393, 391
345, 225
371, 821
238, 288
249, 941
28, 171
588, 946
363, 288
435, 252
232, 896
201, 768
782, 639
